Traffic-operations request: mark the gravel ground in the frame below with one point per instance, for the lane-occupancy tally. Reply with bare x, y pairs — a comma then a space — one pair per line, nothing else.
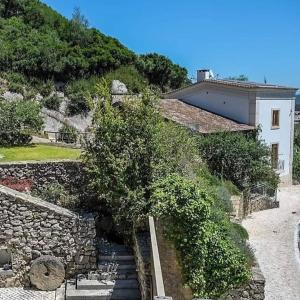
273, 237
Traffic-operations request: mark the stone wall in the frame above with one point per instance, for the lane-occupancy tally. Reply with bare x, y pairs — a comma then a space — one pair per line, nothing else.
30, 227
142, 251
254, 290
68, 173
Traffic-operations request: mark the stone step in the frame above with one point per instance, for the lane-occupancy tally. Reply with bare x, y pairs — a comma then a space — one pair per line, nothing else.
86, 284
103, 265
122, 294
88, 294
116, 258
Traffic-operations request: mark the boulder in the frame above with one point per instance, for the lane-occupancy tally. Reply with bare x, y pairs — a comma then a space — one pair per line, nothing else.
47, 273
118, 88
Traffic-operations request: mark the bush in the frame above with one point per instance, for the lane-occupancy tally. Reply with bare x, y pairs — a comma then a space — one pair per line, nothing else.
68, 134
46, 88
78, 104
296, 162
52, 102
211, 260
17, 121
16, 88
242, 159
130, 76
56, 193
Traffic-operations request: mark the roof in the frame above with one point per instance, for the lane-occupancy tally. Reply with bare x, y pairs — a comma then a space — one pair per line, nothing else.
198, 119
240, 84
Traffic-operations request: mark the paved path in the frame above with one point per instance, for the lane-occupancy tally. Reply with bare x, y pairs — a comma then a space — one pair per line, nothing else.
272, 236
23, 294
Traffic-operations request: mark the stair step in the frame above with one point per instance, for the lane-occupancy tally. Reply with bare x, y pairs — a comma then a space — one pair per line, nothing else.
102, 266
88, 294
86, 284
116, 258
132, 294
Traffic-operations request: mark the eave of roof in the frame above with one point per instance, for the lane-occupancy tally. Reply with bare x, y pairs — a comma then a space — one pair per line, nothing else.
237, 84
198, 119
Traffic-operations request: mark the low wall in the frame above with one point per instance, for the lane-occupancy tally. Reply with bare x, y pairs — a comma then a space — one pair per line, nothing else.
31, 227
68, 173
254, 290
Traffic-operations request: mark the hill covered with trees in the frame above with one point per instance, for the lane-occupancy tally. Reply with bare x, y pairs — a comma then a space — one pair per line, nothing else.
39, 46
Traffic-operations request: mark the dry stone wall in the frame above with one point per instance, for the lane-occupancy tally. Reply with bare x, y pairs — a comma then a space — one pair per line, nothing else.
31, 227
70, 174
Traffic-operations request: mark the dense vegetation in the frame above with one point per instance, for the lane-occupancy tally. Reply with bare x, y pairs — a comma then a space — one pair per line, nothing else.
17, 121
139, 164
241, 158
296, 163
39, 46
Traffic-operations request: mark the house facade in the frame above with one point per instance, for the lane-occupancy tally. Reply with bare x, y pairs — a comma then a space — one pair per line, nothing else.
272, 107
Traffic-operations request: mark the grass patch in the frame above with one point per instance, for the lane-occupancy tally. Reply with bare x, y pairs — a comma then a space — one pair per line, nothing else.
37, 152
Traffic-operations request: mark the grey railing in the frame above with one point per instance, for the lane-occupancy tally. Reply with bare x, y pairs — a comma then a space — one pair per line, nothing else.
158, 289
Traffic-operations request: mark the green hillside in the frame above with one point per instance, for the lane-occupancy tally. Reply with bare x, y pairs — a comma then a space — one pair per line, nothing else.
38, 46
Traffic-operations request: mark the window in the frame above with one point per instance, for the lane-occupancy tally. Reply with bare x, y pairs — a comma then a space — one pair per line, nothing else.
275, 118
274, 155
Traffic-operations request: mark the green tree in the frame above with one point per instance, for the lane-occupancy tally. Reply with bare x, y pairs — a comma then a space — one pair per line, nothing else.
17, 121
161, 71
239, 78
241, 158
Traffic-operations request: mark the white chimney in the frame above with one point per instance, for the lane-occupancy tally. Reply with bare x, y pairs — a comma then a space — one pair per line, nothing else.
204, 74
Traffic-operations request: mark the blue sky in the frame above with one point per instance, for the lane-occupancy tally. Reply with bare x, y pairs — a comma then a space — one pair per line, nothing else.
253, 37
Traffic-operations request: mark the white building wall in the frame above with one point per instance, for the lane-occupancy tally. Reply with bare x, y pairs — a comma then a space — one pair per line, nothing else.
231, 104
284, 134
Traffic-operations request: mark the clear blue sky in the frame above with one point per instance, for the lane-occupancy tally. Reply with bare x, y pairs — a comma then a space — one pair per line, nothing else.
253, 37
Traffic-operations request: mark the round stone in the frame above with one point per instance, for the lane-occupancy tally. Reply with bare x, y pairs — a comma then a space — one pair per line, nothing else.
47, 273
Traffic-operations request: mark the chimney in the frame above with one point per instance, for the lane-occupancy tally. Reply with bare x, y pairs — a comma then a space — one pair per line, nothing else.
204, 74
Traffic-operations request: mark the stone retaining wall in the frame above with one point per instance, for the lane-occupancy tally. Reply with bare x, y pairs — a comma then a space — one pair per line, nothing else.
255, 290
30, 227
68, 173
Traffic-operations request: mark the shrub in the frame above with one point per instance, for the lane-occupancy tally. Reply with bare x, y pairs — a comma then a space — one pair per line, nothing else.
52, 102
296, 162
17, 120
130, 76
240, 158
46, 88
68, 134
78, 104
16, 88
212, 262
57, 194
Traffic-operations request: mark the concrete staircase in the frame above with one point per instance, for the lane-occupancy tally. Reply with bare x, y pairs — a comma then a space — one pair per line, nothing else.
124, 284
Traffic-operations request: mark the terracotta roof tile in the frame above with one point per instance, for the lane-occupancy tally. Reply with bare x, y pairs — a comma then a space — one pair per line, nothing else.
198, 119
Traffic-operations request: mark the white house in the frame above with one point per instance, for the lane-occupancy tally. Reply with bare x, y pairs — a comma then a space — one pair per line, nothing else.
270, 106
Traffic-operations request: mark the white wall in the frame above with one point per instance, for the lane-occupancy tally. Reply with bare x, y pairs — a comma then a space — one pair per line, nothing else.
233, 104
284, 134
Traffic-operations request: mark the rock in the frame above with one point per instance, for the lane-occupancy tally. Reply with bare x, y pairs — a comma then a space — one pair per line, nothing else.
118, 88
10, 96
47, 273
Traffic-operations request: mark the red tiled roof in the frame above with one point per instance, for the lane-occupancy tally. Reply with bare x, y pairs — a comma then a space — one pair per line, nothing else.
198, 119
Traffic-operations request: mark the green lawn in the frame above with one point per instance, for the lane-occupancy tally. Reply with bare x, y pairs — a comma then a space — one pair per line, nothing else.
37, 152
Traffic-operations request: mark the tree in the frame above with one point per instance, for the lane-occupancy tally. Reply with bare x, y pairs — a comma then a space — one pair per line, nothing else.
17, 121
240, 158
161, 71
